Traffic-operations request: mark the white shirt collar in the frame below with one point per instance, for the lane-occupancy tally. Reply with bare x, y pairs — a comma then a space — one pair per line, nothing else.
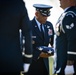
38, 23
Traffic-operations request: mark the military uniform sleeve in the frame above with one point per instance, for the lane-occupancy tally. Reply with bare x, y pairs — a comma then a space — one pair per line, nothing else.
69, 29
51, 33
52, 37
27, 33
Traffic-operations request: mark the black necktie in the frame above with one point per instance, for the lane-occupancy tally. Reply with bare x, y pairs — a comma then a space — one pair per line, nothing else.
42, 32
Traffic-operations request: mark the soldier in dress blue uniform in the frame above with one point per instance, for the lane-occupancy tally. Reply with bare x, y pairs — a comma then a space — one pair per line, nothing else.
40, 65
13, 17
66, 38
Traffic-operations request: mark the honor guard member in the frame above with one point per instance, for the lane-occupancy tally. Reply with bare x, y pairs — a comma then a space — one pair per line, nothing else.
65, 37
13, 17
40, 65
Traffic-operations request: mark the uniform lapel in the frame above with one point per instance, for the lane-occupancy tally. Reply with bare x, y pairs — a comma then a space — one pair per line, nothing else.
36, 29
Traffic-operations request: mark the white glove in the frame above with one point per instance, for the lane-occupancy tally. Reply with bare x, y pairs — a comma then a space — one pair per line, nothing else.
69, 70
26, 67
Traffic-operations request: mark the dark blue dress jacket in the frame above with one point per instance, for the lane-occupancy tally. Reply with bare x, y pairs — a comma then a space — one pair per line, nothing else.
13, 16
37, 39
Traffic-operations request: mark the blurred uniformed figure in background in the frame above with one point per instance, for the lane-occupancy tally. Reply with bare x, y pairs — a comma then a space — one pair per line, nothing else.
66, 38
40, 64
13, 17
